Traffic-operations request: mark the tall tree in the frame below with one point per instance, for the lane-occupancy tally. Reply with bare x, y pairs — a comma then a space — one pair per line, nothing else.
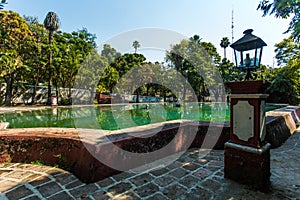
15, 37
195, 59
288, 57
36, 57
89, 73
71, 49
284, 9
287, 50
110, 53
224, 44
136, 45
51, 23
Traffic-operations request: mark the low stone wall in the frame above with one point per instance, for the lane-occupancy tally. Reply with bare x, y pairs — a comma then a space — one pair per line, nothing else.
74, 149
281, 124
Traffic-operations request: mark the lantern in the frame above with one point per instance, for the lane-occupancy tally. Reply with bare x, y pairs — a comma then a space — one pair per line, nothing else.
247, 52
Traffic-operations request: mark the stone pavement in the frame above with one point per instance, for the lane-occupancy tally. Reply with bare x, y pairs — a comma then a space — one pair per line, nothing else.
190, 177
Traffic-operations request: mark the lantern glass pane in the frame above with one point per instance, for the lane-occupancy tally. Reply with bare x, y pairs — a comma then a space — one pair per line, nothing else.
248, 59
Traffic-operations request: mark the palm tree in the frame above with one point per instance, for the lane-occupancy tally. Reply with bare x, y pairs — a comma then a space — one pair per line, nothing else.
136, 45
224, 44
51, 23
196, 39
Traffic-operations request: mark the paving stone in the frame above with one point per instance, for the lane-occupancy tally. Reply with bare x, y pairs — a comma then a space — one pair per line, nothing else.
105, 182
216, 163
49, 189
18, 174
202, 161
179, 173
185, 159
74, 184
128, 196
211, 168
189, 181
84, 190
32, 198
174, 191
165, 180
37, 168
146, 190
198, 193
142, 179
120, 188
31, 177
65, 179
61, 195
212, 185
157, 196
159, 172
174, 165
3, 172
19, 193
40, 180
122, 176
7, 185
202, 173
193, 153
176, 181
190, 166
56, 172
101, 195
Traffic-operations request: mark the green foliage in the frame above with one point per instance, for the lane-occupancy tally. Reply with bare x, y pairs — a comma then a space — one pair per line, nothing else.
285, 81
38, 162
2, 4
110, 53
15, 39
25, 49
229, 71
282, 89
195, 60
284, 9
286, 51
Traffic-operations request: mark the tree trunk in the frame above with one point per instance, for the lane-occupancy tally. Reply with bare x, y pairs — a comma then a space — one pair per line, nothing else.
33, 98
137, 96
49, 100
184, 91
9, 88
70, 95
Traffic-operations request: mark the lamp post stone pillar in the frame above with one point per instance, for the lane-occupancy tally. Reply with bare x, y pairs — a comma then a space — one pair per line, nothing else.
247, 154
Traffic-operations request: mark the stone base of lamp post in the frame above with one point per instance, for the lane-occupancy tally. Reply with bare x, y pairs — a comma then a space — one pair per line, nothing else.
248, 165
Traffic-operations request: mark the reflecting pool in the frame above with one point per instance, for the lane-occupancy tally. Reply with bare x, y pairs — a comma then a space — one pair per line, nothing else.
114, 117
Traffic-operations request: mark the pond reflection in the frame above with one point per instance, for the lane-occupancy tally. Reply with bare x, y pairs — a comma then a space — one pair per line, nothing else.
116, 117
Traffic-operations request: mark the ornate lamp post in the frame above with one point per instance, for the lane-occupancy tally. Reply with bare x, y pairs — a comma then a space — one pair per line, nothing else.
247, 154
247, 52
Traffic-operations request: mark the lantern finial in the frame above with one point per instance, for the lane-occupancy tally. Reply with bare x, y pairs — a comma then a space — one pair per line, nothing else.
248, 31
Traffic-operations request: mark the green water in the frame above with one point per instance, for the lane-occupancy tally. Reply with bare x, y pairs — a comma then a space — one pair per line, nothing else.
117, 116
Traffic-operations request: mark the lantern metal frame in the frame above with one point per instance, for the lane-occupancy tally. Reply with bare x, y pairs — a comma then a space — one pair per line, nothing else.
248, 45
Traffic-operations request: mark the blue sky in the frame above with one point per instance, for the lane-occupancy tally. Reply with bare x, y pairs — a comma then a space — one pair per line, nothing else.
209, 19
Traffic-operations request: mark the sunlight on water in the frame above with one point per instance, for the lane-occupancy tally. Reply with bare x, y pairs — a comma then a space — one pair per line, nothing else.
114, 117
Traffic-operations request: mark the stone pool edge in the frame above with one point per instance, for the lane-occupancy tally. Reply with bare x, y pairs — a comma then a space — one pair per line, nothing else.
64, 146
